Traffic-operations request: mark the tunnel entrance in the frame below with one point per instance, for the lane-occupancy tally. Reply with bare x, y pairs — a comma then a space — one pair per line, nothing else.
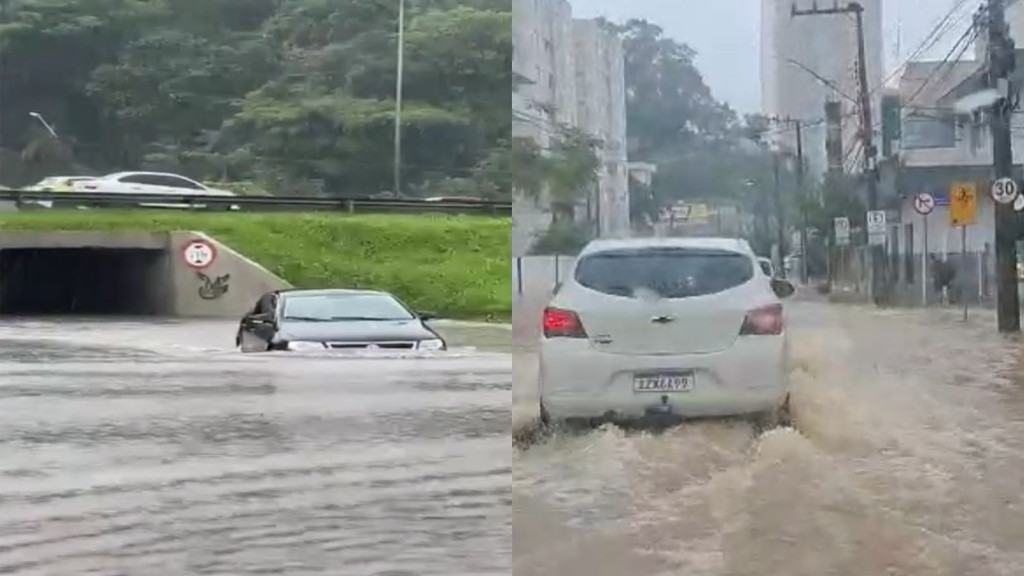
89, 281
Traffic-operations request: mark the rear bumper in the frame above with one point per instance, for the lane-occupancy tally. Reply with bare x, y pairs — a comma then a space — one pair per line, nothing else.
578, 381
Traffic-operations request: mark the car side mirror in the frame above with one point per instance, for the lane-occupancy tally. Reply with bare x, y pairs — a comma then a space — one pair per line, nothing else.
427, 316
263, 318
783, 288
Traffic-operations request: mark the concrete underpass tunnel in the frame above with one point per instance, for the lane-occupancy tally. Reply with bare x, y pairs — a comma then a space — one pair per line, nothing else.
92, 281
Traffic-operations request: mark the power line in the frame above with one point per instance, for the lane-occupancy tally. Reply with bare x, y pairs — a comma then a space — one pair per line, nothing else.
962, 44
938, 31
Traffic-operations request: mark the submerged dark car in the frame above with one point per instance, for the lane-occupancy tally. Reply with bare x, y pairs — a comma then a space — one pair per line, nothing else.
338, 319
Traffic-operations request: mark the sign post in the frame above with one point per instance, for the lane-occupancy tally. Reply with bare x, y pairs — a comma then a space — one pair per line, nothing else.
924, 204
199, 254
1005, 191
876, 237
842, 232
963, 212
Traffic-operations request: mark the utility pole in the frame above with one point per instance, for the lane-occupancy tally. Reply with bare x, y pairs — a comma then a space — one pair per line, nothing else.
798, 126
779, 216
398, 98
802, 195
866, 129
1001, 62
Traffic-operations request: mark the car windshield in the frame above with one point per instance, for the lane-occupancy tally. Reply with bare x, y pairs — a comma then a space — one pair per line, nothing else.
665, 273
336, 307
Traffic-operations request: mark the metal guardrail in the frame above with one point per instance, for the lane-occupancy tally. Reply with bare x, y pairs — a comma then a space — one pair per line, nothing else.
257, 203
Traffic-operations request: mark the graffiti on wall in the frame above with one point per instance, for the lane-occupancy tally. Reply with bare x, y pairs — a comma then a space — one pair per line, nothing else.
212, 289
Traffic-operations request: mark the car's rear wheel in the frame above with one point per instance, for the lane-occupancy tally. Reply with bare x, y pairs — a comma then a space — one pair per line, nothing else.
775, 418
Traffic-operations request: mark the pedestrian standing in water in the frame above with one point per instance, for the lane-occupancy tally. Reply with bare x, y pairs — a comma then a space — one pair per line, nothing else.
943, 275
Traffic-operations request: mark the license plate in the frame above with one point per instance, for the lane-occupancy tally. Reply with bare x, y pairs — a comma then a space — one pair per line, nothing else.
680, 382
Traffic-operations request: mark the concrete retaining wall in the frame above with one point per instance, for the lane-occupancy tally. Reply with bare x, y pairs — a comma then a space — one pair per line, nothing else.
227, 288
198, 294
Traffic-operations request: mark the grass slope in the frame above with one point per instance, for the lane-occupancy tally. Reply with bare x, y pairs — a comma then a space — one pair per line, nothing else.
455, 266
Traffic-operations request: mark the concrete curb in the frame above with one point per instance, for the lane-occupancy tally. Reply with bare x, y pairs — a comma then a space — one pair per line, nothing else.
467, 324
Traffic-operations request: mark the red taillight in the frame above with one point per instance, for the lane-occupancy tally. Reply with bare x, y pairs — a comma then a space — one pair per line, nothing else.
765, 321
560, 323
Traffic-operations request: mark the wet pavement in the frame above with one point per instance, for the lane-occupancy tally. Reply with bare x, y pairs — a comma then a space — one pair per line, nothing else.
140, 448
907, 458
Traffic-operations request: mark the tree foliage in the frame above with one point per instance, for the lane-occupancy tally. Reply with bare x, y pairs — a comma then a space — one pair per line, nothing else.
702, 149
298, 95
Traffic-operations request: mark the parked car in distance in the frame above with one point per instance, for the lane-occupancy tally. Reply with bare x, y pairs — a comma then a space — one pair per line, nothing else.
670, 328
767, 267
54, 184
334, 319
152, 183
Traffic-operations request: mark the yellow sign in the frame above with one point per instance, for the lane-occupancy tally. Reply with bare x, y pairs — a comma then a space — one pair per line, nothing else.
699, 213
963, 204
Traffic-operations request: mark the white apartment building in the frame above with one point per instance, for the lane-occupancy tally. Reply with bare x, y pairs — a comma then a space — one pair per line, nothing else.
543, 97
601, 112
571, 73
794, 50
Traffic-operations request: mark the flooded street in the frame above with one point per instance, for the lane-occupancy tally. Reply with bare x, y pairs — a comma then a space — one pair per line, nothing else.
907, 459
133, 448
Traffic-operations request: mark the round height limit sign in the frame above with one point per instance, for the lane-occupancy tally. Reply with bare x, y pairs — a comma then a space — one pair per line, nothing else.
199, 254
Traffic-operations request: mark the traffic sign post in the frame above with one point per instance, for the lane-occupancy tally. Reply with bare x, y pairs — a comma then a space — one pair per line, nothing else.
842, 227
924, 204
963, 204
199, 254
1005, 191
876, 227
963, 212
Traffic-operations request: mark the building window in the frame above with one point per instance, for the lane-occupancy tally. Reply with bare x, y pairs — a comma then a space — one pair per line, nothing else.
929, 130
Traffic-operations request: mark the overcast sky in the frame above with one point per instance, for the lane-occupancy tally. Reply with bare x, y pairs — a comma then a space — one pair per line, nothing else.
725, 34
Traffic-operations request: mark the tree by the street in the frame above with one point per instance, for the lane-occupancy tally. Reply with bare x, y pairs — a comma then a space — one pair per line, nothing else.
288, 93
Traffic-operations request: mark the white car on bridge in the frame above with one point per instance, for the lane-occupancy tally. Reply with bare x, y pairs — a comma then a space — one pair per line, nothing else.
670, 328
150, 183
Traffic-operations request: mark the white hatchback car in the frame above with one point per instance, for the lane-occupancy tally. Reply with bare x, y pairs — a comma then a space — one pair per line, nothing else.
666, 327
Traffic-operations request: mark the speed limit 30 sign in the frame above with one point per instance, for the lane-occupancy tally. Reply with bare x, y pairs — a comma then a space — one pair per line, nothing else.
1005, 190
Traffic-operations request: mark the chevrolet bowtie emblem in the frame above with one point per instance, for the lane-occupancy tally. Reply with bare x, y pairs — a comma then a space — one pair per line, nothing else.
662, 319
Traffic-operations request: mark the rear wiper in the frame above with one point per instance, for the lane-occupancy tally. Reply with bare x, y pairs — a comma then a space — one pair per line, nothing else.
358, 318
307, 319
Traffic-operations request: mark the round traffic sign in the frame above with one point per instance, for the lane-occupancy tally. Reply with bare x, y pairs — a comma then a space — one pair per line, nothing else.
199, 254
1005, 190
924, 203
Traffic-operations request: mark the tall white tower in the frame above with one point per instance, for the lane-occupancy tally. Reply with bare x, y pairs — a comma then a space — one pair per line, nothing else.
809, 60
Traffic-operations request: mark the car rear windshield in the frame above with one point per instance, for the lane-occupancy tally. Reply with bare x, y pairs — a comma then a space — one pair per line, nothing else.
664, 272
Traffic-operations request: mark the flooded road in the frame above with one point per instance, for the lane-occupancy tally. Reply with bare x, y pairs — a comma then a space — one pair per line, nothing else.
132, 448
907, 459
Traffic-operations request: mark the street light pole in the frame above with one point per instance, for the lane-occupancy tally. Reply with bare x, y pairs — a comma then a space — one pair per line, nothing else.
45, 124
398, 98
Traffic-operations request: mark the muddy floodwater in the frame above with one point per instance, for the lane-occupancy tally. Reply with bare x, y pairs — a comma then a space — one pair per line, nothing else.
907, 458
145, 448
